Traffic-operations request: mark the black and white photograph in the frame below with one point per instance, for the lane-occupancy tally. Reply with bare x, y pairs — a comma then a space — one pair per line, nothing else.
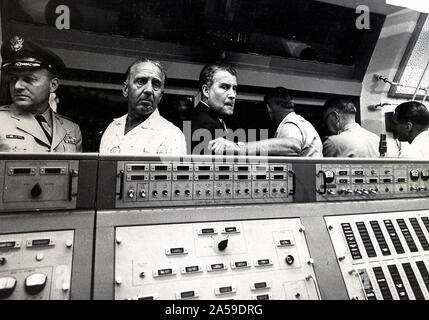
212, 154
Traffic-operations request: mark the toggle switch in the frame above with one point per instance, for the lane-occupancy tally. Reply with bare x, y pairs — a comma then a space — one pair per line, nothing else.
130, 194
35, 283
143, 193
3, 261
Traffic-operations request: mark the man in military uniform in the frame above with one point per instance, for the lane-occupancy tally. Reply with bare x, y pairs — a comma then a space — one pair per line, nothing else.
29, 124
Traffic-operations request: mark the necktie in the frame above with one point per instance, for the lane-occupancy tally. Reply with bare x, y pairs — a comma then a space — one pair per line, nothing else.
44, 125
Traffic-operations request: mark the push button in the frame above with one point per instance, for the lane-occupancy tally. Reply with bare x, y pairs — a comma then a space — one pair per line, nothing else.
7, 286
35, 283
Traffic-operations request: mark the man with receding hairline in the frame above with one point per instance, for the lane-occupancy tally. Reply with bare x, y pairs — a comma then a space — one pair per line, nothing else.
218, 89
348, 138
142, 130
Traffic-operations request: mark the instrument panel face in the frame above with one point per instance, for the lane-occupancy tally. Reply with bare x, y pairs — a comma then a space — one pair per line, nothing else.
36, 266
33, 184
342, 182
383, 256
258, 259
158, 184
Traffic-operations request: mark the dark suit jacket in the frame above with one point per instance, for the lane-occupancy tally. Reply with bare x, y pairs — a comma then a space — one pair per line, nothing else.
204, 118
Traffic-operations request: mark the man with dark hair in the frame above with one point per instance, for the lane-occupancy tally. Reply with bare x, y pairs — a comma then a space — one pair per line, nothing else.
295, 136
142, 130
411, 124
348, 138
30, 124
218, 88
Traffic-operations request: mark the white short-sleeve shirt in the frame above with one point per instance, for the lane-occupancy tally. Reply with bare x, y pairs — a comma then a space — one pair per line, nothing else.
419, 147
155, 136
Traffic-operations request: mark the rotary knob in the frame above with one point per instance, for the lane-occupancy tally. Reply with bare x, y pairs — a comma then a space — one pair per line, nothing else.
290, 260
36, 191
7, 286
35, 283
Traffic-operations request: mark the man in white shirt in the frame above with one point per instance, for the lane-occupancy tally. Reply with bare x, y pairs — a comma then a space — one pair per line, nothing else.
411, 124
348, 138
142, 130
295, 136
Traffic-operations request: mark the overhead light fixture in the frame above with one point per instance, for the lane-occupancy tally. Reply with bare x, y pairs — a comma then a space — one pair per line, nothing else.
417, 5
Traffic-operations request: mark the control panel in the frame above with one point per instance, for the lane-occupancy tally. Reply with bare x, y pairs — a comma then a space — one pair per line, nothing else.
36, 266
163, 183
253, 259
339, 182
383, 256
31, 182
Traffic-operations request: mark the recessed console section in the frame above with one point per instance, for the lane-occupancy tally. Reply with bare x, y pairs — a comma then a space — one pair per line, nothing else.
371, 181
193, 182
383, 256
260, 259
36, 266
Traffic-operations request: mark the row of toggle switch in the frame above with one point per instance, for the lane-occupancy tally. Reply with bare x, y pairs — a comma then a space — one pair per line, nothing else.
132, 193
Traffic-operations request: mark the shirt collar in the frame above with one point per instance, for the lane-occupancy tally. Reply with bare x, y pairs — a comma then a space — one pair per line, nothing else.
147, 124
421, 136
215, 113
349, 126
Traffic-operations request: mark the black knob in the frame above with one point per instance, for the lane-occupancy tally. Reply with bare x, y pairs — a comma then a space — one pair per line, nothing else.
290, 260
223, 244
36, 191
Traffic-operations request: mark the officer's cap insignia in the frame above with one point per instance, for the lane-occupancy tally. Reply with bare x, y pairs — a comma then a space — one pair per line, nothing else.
16, 43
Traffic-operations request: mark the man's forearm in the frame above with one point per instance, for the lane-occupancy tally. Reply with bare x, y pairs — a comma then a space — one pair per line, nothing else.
273, 147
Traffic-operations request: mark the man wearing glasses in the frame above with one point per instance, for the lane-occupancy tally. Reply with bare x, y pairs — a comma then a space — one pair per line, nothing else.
348, 138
